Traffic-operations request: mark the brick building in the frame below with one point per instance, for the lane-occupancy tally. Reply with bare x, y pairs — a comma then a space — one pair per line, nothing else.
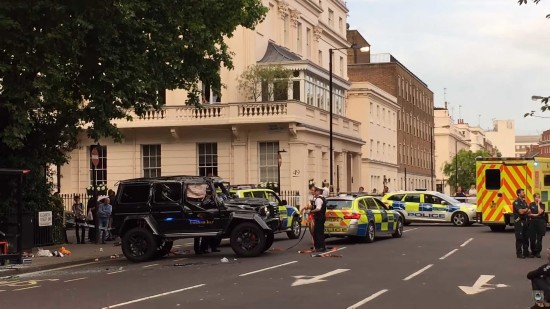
415, 118
544, 144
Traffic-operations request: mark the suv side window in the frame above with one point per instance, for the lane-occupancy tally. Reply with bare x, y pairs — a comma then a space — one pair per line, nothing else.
135, 193
247, 194
272, 197
167, 192
412, 198
371, 204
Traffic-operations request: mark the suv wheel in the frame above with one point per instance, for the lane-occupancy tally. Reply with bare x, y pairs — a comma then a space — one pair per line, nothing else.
269, 238
139, 245
164, 248
295, 228
248, 240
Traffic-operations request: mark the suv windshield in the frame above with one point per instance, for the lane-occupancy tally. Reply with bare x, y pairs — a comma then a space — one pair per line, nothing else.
339, 204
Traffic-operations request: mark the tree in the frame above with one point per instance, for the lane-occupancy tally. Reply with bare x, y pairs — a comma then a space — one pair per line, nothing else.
265, 82
461, 170
535, 1
68, 66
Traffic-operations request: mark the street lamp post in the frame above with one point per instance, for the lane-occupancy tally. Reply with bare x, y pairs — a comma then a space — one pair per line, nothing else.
279, 162
331, 149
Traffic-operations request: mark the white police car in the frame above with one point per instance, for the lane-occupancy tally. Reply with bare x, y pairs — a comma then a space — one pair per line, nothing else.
430, 206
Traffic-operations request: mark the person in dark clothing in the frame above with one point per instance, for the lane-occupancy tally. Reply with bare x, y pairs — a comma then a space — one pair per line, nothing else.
80, 220
537, 225
460, 195
318, 208
521, 227
540, 283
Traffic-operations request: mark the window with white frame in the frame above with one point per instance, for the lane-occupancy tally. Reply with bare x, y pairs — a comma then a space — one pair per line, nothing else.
342, 66
340, 24
308, 43
286, 27
101, 169
268, 162
330, 17
207, 154
151, 160
299, 38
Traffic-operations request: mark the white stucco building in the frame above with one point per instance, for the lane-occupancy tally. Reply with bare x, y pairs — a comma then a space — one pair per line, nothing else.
240, 140
377, 111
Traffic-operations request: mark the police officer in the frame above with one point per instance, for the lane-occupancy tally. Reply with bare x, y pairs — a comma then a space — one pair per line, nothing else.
521, 227
540, 284
318, 208
537, 226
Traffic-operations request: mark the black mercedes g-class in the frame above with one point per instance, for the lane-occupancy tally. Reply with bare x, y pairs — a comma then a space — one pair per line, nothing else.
150, 213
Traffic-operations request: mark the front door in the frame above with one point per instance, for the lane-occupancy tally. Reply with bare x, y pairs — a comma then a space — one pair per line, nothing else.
166, 206
201, 207
437, 211
388, 218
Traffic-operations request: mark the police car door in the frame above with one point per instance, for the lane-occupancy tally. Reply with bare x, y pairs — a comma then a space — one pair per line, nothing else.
378, 216
438, 210
388, 218
276, 202
412, 206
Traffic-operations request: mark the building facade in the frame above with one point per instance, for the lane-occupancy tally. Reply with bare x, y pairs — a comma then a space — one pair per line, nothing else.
241, 140
377, 111
544, 144
502, 136
527, 145
415, 120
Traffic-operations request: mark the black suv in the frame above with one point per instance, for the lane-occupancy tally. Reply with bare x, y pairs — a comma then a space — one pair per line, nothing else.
150, 213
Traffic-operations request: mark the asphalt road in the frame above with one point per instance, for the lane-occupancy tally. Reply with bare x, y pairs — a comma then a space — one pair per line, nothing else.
424, 269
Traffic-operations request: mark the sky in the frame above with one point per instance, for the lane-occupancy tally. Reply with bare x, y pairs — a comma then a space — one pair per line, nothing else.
491, 56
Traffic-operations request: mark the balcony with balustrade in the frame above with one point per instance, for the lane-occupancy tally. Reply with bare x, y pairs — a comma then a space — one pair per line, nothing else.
243, 113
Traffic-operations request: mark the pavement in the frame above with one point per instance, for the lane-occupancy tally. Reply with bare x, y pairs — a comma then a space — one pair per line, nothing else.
432, 266
80, 253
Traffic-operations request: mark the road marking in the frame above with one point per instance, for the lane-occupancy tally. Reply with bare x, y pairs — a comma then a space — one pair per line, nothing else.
466, 242
303, 280
366, 300
27, 288
150, 265
116, 272
448, 254
176, 260
481, 285
77, 279
153, 296
418, 272
264, 269
410, 230
54, 269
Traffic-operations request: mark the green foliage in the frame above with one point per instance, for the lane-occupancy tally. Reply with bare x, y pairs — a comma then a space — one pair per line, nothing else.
264, 82
68, 66
545, 107
461, 170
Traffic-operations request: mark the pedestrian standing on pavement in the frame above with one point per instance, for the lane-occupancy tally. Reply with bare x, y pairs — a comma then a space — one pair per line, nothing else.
460, 195
537, 226
326, 189
79, 220
104, 213
318, 208
521, 227
540, 282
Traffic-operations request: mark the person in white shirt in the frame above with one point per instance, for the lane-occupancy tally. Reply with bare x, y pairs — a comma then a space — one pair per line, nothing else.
326, 189
472, 194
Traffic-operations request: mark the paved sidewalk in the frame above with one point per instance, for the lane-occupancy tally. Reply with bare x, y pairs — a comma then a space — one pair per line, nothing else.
80, 254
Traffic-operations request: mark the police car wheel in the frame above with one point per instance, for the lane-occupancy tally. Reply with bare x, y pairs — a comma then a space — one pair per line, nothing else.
248, 240
295, 228
398, 229
371, 233
460, 219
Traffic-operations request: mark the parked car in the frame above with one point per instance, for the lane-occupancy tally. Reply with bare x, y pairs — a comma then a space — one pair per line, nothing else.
289, 216
361, 217
150, 213
430, 206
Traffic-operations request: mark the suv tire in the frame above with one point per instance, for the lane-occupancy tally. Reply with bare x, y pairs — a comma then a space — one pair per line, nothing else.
163, 249
139, 245
295, 228
269, 238
248, 240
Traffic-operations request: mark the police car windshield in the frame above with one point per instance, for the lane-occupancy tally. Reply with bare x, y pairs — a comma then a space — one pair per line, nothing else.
339, 204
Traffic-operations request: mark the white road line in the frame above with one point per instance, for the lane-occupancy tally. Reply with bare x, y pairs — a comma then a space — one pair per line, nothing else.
264, 269
154, 296
146, 266
27, 288
466, 242
77, 279
116, 272
54, 269
177, 260
418, 272
366, 300
448, 254
410, 230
